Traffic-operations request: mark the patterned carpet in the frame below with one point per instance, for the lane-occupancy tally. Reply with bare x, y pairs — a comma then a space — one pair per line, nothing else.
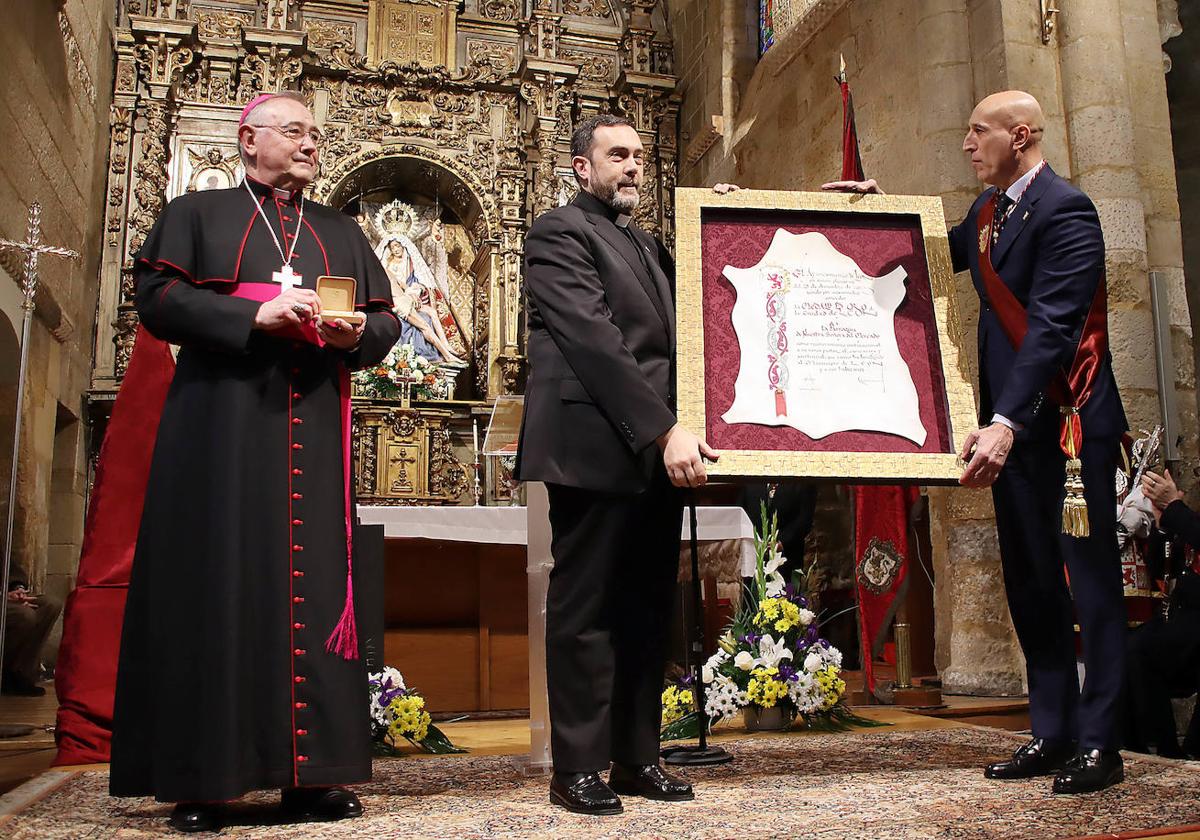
873, 784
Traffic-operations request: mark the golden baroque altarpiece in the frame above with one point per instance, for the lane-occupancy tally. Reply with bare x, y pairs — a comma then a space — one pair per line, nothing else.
448, 126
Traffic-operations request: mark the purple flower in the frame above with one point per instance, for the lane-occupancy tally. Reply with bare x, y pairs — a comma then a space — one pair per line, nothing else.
786, 672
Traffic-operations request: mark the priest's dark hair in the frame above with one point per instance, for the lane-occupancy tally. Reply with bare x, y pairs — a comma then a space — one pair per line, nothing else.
585, 133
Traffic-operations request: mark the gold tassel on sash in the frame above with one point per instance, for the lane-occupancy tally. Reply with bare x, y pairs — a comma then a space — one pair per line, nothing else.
1074, 512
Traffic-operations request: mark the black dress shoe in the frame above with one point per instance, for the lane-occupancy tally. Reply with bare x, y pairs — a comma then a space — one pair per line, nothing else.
649, 781
191, 817
584, 793
20, 687
1039, 757
1090, 771
320, 803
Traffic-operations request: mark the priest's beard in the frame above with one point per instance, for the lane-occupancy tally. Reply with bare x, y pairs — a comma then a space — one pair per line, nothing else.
621, 202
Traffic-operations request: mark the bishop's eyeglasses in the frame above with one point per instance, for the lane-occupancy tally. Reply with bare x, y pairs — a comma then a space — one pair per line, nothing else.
296, 133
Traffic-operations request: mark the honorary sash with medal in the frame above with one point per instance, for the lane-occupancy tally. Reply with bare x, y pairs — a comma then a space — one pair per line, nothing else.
1071, 387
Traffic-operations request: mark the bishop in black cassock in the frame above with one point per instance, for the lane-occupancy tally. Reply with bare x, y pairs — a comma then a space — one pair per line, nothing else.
231, 678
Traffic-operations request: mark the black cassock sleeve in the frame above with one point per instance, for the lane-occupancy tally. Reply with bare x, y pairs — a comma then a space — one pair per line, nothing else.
171, 296
1181, 521
374, 296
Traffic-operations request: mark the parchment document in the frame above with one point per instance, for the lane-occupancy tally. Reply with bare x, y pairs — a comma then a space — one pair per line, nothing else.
818, 343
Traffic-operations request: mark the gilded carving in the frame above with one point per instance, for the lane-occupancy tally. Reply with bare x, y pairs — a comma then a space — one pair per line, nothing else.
593, 66
150, 174
588, 8
125, 331
500, 57
503, 10
324, 34
224, 24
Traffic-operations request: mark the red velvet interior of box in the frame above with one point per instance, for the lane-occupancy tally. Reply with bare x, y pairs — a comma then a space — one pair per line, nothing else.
877, 243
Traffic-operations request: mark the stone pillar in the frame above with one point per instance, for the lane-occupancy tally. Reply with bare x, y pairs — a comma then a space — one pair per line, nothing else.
976, 649
1096, 98
1155, 166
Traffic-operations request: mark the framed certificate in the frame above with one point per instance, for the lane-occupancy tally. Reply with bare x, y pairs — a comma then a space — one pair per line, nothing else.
819, 335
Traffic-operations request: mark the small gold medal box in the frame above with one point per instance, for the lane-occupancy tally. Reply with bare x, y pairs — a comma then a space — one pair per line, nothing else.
337, 299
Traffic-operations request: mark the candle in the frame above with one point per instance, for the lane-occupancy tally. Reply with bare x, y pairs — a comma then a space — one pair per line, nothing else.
475, 438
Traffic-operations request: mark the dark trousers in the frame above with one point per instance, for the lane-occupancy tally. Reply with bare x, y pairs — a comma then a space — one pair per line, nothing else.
608, 612
1028, 498
1163, 662
27, 628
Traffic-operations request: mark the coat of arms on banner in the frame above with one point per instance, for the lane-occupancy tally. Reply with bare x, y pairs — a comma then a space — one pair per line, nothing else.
879, 566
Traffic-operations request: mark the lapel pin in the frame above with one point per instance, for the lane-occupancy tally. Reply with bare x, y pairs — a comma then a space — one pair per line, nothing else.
1026, 216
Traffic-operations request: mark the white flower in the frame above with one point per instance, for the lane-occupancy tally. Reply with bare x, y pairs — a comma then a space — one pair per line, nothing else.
774, 579
707, 674
744, 660
806, 616
813, 663
770, 652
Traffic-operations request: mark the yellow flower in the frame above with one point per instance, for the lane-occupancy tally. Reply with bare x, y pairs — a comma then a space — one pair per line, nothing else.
765, 688
676, 703
789, 616
409, 718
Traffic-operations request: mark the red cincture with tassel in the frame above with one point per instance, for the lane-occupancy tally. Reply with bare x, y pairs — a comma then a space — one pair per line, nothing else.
1070, 389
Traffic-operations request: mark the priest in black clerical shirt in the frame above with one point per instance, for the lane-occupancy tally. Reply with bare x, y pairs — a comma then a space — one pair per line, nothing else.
600, 431
239, 666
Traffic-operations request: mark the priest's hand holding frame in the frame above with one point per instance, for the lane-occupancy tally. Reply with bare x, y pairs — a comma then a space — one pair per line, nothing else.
683, 456
293, 307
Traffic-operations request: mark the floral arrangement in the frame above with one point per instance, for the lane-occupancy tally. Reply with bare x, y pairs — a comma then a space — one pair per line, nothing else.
402, 368
677, 702
399, 712
771, 655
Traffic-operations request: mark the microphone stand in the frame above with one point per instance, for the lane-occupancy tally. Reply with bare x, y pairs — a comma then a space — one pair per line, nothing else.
702, 753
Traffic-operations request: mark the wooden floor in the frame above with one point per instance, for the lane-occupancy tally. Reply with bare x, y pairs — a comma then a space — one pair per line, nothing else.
25, 757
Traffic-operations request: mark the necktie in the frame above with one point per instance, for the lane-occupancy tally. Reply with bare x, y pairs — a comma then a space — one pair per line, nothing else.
1004, 206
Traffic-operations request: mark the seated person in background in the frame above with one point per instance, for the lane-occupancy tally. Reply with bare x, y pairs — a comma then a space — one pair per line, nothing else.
1164, 653
27, 625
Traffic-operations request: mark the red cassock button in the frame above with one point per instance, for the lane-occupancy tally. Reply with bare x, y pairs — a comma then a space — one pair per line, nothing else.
297, 548
297, 521
297, 573
296, 421
301, 705
297, 395
301, 731
298, 651
298, 600
299, 680
297, 446
297, 496
302, 758
297, 626
297, 471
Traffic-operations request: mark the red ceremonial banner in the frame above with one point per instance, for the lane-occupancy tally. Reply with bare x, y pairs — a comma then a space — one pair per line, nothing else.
882, 548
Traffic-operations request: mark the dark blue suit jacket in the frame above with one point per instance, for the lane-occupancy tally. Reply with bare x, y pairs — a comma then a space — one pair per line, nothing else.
1051, 255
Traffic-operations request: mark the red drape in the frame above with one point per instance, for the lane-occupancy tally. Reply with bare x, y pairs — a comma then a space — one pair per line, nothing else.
881, 544
882, 548
86, 673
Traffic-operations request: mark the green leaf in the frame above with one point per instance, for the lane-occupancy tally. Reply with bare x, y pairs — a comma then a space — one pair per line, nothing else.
436, 743
686, 728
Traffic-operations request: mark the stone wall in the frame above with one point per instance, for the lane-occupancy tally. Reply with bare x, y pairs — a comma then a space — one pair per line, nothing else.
55, 79
916, 68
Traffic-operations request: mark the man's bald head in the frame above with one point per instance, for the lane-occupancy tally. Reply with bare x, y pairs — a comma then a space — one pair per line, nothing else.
1004, 136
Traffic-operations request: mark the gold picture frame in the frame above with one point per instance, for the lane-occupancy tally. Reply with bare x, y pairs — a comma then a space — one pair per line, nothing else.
954, 404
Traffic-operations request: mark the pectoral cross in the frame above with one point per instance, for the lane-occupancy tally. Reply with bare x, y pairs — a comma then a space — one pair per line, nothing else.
287, 278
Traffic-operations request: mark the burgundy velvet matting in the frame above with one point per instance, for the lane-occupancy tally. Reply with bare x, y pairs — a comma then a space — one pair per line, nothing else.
877, 243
